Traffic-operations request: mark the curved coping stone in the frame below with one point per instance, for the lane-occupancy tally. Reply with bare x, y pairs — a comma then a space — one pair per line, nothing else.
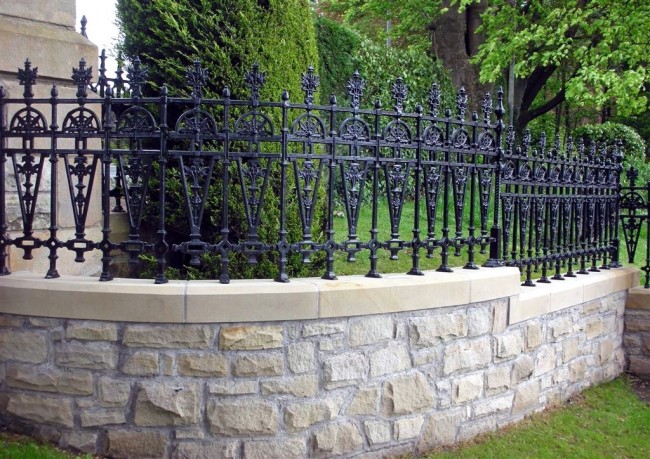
135, 300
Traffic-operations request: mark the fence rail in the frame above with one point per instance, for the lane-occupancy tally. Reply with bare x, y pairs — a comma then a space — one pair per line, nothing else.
547, 207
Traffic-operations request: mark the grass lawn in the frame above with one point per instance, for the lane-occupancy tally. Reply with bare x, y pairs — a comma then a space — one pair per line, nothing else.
19, 447
607, 421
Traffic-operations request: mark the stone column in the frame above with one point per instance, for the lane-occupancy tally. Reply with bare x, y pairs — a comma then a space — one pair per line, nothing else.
43, 31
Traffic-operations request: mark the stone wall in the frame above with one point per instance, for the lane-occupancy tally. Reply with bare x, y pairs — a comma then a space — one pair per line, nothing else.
636, 338
369, 385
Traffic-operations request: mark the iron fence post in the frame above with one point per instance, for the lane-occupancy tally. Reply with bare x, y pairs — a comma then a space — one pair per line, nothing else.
495, 259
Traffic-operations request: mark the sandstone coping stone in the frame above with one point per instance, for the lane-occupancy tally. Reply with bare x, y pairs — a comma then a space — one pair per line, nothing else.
243, 417
168, 336
370, 330
23, 346
165, 403
46, 379
250, 337
202, 365
407, 394
86, 354
335, 439
263, 364
292, 448
136, 444
41, 409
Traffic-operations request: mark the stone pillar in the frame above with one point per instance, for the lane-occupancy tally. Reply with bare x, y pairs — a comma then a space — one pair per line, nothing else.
43, 31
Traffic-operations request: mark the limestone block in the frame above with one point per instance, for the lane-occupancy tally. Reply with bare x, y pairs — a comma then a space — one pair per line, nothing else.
467, 388
102, 417
526, 397
591, 307
232, 387
94, 331
533, 336
391, 359
11, 321
335, 439
168, 336
429, 331
23, 346
497, 379
559, 328
318, 328
242, 417
370, 330
261, 364
301, 357
494, 406
167, 364
522, 369
211, 450
509, 345
639, 365
298, 386
427, 356
407, 394
646, 342
570, 349
90, 354
300, 416
500, 316
44, 322
133, 444
331, 344
546, 360
467, 354
594, 327
167, 403
290, 448
250, 337
50, 380
82, 441
441, 429
205, 365
377, 431
637, 321
113, 392
443, 390
141, 363
471, 430
632, 343
577, 370
344, 370
364, 402
479, 320
408, 428
41, 409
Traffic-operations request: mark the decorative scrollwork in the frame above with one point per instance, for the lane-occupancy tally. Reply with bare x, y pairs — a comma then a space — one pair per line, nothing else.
486, 141
196, 77
433, 136
196, 122
308, 126
28, 120
309, 83
460, 138
81, 121
397, 132
434, 99
135, 120
27, 77
254, 124
137, 76
355, 86
354, 129
82, 77
255, 80
399, 91
461, 103
486, 106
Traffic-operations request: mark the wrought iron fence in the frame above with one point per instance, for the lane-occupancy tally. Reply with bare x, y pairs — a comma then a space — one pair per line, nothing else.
635, 211
536, 207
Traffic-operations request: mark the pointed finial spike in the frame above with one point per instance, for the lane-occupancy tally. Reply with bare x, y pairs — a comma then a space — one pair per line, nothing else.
84, 22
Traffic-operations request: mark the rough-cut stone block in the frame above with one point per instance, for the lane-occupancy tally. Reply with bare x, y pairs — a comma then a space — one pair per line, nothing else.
370, 330
570, 349
113, 392
559, 328
291, 448
533, 336
232, 387
391, 359
243, 417
93, 331
335, 439
467, 388
301, 357
441, 430
168, 336
211, 450
23, 346
102, 417
41, 409
298, 386
577, 370
167, 364
141, 363
494, 406
377, 431
44, 322
50, 380
11, 321
407, 394
473, 429
263, 364
250, 337
300, 416
344, 370
594, 327
91, 355
590, 307
429, 331
205, 365
479, 320
522, 368
331, 344
637, 321
467, 354
134, 444
85, 442
639, 365
546, 360
500, 315
497, 380
322, 328
526, 397
167, 403
509, 345
408, 428
364, 402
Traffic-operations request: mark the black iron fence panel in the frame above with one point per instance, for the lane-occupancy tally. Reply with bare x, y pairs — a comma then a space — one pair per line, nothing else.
553, 208
635, 213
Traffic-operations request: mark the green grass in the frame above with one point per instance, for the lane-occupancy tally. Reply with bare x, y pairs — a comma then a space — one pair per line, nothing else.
19, 447
605, 421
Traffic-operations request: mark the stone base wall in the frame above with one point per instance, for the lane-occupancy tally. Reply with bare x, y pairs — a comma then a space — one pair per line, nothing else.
636, 338
365, 386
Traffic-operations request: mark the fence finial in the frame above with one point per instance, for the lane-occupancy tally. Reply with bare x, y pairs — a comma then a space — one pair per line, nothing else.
356, 85
255, 80
309, 83
82, 77
84, 21
399, 91
434, 99
27, 77
137, 75
197, 77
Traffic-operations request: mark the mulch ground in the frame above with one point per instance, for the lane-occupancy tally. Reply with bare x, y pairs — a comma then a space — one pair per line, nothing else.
641, 387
